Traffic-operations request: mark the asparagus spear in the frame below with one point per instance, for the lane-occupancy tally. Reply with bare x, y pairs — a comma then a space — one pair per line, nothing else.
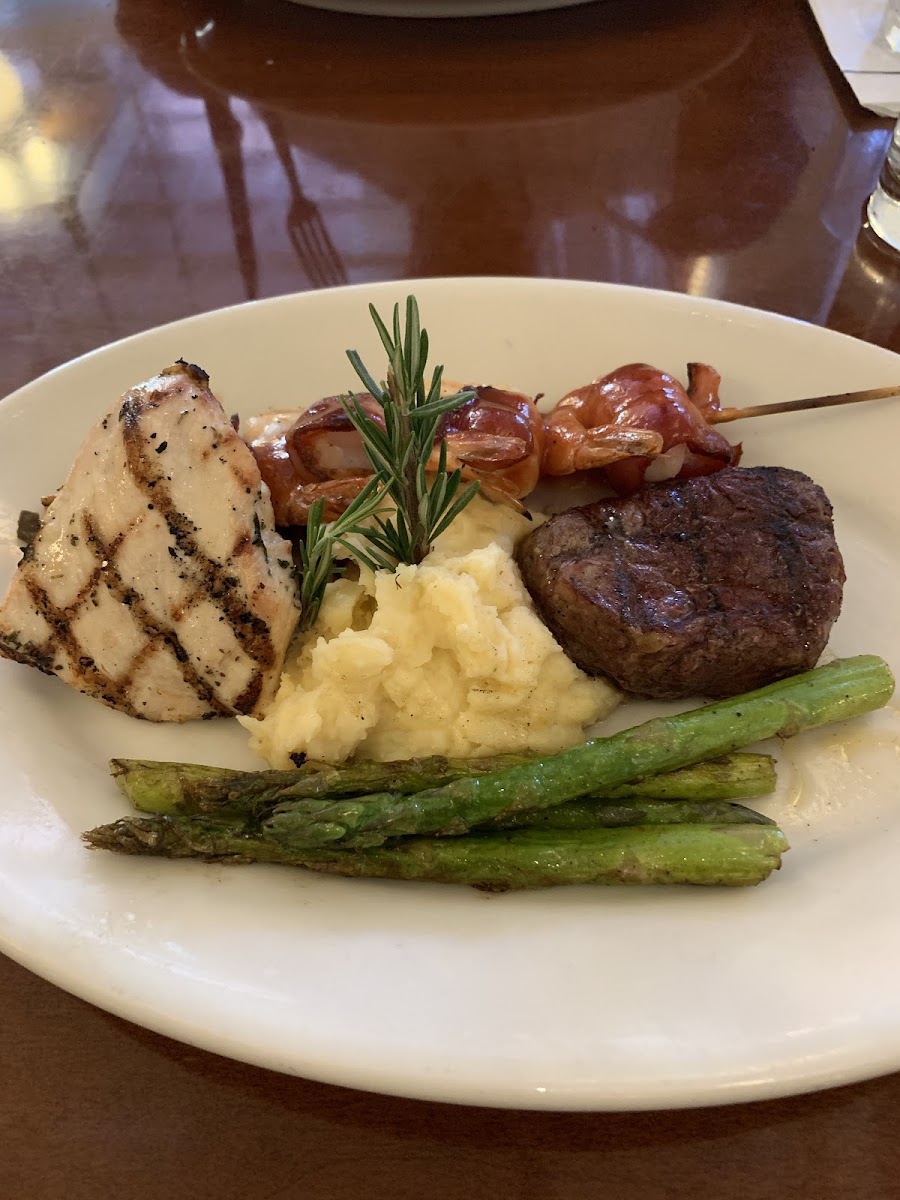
588, 813
709, 855
192, 788
842, 689
732, 855
730, 777
176, 835
171, 787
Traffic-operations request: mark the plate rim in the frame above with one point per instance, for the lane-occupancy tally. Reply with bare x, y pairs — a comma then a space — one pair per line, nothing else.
526, 282
668, 1095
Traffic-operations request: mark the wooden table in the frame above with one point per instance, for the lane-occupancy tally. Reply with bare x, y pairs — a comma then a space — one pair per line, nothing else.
162, 157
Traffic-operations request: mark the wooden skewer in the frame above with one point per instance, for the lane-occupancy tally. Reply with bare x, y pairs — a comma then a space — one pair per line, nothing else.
765, 410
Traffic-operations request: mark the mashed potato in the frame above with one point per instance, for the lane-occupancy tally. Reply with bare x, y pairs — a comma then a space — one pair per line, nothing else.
445, 658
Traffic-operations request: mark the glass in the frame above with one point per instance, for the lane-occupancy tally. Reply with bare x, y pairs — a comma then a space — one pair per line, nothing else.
884, 203
890, 26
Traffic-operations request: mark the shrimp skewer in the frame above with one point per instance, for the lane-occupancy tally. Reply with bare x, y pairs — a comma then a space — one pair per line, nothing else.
642, 426
496, 437
294, 492
639, 423
767, 410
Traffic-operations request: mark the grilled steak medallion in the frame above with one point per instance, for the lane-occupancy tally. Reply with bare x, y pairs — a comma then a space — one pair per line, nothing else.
157, 582
709, 586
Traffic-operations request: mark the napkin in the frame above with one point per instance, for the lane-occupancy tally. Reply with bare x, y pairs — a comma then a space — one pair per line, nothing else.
852, 29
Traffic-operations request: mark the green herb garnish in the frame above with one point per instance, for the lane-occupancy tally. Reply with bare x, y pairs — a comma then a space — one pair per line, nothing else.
400, 452
317, 550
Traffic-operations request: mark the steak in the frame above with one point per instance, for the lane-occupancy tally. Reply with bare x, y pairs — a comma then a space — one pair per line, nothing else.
709, 586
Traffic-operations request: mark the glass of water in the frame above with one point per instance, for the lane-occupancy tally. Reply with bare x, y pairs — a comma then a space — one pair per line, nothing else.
884, 203
890, 26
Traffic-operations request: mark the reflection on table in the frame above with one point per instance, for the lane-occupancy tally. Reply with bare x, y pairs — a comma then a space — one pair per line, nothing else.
597, 146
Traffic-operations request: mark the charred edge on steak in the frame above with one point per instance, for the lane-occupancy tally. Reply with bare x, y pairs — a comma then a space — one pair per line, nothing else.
706, 586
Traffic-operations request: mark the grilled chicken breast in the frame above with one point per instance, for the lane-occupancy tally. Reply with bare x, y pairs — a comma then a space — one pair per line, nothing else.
157, 582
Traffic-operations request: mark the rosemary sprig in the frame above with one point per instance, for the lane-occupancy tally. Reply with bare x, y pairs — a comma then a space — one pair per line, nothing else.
401, 450
399, 454
317, 550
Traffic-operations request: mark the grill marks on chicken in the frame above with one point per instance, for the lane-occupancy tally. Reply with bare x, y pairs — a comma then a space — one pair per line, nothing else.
157, 583
213, 579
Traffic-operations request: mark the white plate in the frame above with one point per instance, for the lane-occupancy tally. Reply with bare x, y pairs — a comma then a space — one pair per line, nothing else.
575, 998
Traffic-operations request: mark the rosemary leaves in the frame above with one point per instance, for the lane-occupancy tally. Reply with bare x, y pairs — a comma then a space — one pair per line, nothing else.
426, 496
411, 498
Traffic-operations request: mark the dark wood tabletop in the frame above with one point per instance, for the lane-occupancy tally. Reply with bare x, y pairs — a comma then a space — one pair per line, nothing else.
163, 157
